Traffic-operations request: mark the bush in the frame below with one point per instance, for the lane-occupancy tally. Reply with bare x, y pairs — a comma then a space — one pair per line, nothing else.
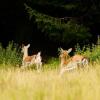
92, 52
10, 55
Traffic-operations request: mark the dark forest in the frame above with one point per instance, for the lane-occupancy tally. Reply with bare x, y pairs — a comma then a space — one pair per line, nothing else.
50, 24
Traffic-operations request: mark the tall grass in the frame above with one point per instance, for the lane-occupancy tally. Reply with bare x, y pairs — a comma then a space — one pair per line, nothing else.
28, 84
18, 84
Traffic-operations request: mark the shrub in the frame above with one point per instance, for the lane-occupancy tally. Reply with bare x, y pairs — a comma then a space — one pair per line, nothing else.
10, 55
92, 52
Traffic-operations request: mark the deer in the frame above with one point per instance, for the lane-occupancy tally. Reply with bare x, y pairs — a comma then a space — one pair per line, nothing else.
37, 60
30, 60
69, 63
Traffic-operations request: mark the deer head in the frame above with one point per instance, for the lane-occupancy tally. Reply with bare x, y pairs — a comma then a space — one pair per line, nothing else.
64, 53
64, 56
25, 50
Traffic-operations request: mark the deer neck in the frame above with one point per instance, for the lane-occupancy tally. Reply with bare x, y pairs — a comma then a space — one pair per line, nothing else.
25, 53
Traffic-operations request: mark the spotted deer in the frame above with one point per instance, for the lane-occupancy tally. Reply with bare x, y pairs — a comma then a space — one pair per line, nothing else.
37, 60
30, 60
68, 63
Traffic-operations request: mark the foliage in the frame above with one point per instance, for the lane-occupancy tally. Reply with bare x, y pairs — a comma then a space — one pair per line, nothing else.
57, 31
10, 55
92, 52
52, 63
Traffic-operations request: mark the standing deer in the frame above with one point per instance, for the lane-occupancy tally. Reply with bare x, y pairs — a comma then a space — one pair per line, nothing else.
30, 60
68, 63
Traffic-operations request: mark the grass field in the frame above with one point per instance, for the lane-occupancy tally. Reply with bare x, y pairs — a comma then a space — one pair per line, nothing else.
28, 84
18, 84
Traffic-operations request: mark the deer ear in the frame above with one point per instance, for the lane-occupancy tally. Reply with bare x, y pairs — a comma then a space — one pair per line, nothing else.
69, 50
60, 49
39, 53
28, 45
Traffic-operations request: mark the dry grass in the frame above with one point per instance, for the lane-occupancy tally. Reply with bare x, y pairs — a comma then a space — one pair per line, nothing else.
17, 84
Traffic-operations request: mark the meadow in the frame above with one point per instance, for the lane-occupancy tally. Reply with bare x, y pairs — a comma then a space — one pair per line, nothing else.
19, 84
28, 84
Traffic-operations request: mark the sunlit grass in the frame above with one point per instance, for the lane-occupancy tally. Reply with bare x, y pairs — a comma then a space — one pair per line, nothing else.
28, 84
19, 84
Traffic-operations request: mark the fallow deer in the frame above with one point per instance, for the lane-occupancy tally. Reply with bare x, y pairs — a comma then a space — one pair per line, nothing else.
68, 63
30, 60
37, 60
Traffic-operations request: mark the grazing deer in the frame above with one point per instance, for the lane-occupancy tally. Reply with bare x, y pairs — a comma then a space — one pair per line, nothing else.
30, 60
68, 63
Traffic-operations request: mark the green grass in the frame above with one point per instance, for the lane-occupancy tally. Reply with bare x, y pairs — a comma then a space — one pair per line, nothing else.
18, 84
